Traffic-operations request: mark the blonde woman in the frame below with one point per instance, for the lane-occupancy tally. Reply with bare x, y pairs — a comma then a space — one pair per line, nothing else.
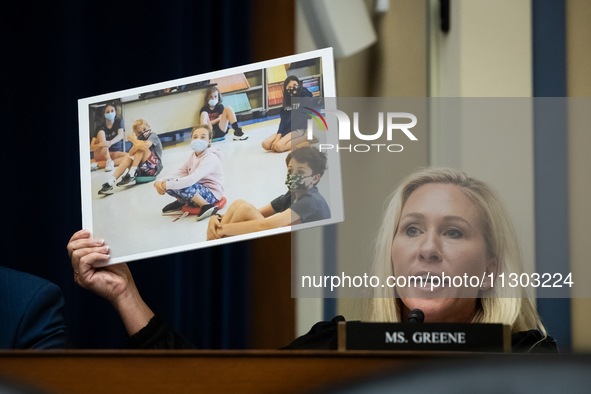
438, 221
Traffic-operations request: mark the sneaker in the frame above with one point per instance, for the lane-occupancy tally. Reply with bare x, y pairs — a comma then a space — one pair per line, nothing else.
106, 189
207, 211
109, 166
127, 180
173, 206
93, 166
239, 135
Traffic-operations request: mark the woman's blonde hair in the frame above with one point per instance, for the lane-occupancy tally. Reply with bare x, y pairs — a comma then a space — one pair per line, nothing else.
507, 305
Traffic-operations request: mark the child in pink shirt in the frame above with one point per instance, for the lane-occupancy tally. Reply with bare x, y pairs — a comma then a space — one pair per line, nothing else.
198, 182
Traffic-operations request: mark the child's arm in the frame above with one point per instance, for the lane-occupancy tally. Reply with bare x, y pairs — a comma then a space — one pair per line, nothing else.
118, 137
181, 172
139, 144
282, 219
211, 122
209, 164
267, 211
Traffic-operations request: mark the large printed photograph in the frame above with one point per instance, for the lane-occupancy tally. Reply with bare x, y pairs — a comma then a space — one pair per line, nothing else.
209, 159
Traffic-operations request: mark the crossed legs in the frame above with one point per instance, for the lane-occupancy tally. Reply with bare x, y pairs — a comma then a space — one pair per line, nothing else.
134, 158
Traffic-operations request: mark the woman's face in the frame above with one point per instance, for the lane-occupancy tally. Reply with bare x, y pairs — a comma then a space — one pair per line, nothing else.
440, 233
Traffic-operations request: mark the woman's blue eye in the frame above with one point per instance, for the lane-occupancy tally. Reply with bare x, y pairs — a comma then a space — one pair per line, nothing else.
453, 233
412, 231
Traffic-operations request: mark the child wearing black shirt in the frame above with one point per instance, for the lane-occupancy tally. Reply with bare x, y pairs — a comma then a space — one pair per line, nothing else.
219, 117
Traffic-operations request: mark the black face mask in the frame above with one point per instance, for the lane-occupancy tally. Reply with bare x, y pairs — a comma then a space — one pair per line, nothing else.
292, 91
144, 136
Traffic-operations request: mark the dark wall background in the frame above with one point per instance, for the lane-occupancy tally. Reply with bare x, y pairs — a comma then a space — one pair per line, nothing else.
57, 52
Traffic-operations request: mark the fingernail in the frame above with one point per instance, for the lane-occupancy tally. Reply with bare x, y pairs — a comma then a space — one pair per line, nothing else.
107, 249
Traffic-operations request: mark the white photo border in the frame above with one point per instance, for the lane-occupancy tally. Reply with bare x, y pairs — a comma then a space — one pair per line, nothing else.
329, 90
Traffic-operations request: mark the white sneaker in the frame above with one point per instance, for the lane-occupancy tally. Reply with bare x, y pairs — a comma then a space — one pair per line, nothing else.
93, 166
110, 166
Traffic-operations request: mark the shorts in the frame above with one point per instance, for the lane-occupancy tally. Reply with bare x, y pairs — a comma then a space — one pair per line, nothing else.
118, 146
148, 167
185, 195
217, 132
300, 132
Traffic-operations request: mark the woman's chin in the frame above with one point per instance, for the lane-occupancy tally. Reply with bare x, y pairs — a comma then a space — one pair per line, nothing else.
442, 310
431, 307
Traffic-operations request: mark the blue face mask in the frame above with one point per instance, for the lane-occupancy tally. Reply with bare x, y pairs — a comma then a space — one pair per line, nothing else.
110, 116
199, 145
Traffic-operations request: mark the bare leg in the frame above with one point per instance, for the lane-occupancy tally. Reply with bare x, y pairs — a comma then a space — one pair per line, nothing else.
197, 199
289, 142
270, 141
231, 210
228, 117
101, 153
132, 150
241, 211
141, 156
245, 213
117, 157
125, 164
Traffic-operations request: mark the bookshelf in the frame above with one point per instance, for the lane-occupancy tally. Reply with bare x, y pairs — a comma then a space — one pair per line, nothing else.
245, 93
259, 93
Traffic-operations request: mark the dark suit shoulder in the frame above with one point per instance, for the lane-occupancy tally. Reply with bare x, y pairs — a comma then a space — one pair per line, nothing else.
18, 287
532, 341
32, 311
322, 336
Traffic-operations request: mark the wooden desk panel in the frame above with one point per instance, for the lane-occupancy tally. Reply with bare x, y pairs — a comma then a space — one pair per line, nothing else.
144, 372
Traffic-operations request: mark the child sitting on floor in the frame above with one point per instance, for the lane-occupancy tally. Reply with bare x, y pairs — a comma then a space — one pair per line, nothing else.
302, 203
144, 159
198, 182
219, 117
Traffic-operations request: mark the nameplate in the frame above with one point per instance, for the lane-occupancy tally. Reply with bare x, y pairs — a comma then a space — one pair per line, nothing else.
424, 336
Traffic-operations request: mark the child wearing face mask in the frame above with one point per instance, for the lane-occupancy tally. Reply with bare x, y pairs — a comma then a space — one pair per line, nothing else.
107, 140
199, 181
143, 159
288, 136
219, 117
302, 203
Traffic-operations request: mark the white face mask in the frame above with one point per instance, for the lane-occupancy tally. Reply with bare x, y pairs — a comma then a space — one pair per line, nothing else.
199, 145
110, 116
213, 102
